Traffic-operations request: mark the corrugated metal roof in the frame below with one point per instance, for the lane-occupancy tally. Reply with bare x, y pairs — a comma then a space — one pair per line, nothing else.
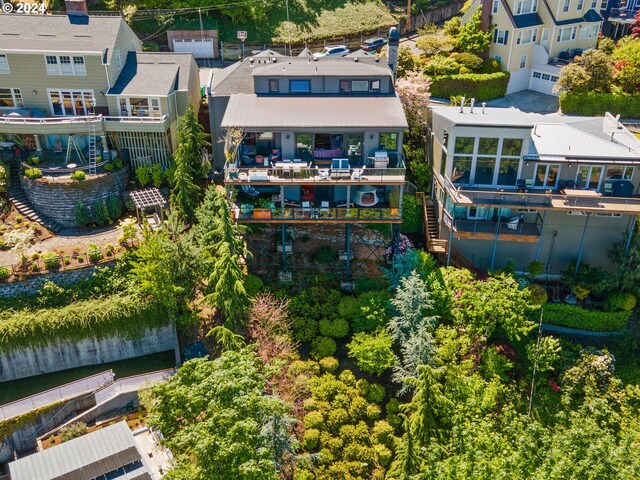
253, 112
492, 117
82, 458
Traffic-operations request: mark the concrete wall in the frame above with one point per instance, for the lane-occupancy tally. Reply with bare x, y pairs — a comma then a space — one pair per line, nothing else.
33, 361
57, 198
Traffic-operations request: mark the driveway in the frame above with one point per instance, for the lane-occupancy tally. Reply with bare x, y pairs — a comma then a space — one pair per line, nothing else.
527, 101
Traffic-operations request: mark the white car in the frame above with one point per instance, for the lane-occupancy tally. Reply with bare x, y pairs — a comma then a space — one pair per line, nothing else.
333, 51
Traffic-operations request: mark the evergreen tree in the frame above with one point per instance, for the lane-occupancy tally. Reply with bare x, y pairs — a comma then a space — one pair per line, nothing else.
185, 193
472, 38
192, 143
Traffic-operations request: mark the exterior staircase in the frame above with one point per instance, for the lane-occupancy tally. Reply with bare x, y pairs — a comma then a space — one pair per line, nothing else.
22, 204
434, 244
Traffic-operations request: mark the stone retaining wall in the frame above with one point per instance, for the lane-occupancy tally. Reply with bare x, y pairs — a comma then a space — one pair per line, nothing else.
57, 197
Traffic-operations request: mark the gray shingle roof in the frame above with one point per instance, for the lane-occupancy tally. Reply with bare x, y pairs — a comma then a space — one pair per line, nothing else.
82, 458
330, 67
254, 112
52, 33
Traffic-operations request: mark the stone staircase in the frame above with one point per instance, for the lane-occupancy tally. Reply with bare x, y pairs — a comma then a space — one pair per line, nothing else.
20, 201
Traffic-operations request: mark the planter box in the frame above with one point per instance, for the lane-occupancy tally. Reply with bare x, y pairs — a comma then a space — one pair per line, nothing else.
259, 176
262, 214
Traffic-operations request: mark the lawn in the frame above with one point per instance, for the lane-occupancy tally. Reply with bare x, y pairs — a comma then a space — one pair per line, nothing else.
309, 20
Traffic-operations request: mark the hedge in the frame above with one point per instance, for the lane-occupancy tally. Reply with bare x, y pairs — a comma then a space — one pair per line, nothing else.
481, 86
596, 104
571, 316
122, 315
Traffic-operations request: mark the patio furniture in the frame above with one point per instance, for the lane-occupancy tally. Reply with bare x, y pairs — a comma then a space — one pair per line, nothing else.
365, 196
357, 174
608, 188
259, 159
250, 191
324, 174
259, 175
513, 223
340, 166
327, 153
528, 183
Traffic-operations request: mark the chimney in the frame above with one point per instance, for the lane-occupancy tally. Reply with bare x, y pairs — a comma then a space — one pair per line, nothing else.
485, 20
392, 52
76, 7
473, 101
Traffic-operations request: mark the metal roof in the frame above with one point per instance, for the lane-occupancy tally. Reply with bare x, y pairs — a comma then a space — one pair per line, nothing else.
330, 67
527, 20
254, 112
82, 458
492, 117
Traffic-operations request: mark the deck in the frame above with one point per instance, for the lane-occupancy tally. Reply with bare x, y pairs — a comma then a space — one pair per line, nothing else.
486, 230
314, 175
317, 215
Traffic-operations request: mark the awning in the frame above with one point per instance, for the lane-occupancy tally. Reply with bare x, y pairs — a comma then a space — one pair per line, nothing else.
282, 113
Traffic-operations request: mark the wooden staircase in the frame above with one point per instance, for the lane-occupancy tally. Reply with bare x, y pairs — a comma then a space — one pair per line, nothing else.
434, 244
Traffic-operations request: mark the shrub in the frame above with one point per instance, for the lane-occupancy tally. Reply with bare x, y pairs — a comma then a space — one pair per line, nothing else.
313, 420
373, 353
619, 301
535, 269
73, 431
323, 347
383, 454
114, 207
538, 295
325, 254
5, 178
4, 273
143, 174
117, 163
464, 70
576, 317
383, 432
441, 66
33, 173
490, 65
78, 175
253, 285
481, 86
375, 393
372, 313
365, 285
82, 215
156, 175
469, 60
348, 307
411, 215
329, 364
596, 104
338, 328
108, 167
94, 252
51, 260
304, 329
99, 212
311, 439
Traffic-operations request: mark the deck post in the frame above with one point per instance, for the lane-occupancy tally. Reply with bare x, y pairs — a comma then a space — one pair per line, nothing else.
282, 200
544, 216
347, 247
584, 232
630, 236
395, 239
284, 245
495, 242
450, 246
348, 198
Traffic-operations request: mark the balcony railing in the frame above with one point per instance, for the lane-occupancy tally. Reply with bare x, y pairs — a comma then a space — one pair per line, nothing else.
355, 214
17, 120
582, 200
511, 227
623, 15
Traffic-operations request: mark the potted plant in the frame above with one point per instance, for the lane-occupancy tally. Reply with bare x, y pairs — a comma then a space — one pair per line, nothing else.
264, 208
394, 203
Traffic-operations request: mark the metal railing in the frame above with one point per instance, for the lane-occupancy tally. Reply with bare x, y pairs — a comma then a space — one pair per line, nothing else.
62, 170
363, 214
626, 15
16, 120
132, 384
68, 390
311, 174
503, 227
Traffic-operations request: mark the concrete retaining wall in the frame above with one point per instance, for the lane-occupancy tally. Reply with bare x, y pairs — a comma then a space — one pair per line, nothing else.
57, 197
33, 361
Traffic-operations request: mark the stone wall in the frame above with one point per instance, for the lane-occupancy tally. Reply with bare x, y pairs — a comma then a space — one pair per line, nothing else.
28, 362
57, 197
33, 284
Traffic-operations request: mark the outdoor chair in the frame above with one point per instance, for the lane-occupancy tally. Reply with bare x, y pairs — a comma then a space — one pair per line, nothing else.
513, 223
528, 183
324, 174
357, 174
250, 191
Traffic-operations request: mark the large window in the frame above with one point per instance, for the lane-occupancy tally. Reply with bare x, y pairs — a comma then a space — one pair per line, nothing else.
511, 146
527, 36
67, 102
526, 6
360, 86
589, 31
65, 65
389, 141
461, 171
464, 145
619, 172
4, 63
546, 176
488, 146
589, 177
303, 145
566, 34
140, 107
299, 86
508, 171
485, 166
11, 97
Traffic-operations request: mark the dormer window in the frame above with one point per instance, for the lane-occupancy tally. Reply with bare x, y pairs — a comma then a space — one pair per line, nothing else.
274, 85
375, 85
299, 86
359, 86
526, 6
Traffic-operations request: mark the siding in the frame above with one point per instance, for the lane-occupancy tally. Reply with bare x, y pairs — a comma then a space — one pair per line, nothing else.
125, 42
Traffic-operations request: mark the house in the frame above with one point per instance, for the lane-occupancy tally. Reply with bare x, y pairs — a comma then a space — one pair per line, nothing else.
85, 80
526, 187
533, 39
619, 16
110, 452
321, 139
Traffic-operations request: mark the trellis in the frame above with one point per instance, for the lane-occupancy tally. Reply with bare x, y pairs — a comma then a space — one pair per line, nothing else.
148, 198
145, 148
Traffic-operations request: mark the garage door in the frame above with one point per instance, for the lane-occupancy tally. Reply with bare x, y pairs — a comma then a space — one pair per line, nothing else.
543, 82
199, 47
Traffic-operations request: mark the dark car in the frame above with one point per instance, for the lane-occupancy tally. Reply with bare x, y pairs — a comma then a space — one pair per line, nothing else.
373, 44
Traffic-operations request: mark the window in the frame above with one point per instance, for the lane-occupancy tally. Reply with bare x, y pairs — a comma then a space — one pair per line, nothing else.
604, 4
511, 146
488, 146
567, 33
498, 58
65, 65
303, 145
546, 176
477, 213
576, 212
4, 63
523, 61
589, 31
567, 4
359, 85
495, 6
580, 5
500, 36
155, 107
527, 36
610, 215
485, 166
299, 86
354, 147
67, 102
389, 141
464, 145
461, 169
616, 172
345, 86
526, 6
589, 176
274, 85
139, 107
508, 171
375, 85
11, 97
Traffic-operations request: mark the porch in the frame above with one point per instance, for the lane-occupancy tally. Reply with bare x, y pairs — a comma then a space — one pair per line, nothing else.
514, 229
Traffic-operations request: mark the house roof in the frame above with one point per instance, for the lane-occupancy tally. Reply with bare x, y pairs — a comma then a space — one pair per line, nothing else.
257, 112
591, 16
527, 20
329, 67
153, 74
59, 33
492, 117
84, 457
236, 78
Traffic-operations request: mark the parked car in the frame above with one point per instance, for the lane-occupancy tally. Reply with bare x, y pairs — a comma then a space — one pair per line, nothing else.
333, 51
373, 44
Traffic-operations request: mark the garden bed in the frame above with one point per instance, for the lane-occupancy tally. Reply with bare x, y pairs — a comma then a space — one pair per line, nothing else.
579, 318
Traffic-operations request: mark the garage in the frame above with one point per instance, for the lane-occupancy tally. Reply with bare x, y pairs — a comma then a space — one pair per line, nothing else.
199, 47
543, 82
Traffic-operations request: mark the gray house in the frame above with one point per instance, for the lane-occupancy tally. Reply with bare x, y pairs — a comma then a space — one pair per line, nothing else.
510, 186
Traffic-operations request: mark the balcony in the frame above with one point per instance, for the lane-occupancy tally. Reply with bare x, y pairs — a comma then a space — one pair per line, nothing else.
79, 124
517, 229
567, 200
623, 15
317, 215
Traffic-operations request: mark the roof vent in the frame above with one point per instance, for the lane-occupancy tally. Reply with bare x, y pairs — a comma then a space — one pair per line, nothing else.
473, 102
274, 59
484, 104
315, 59
355, 59
462, 100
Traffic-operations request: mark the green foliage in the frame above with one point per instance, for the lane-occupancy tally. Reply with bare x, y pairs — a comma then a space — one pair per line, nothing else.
219, 409
481, 86
619, 301
419, 170
494, 363
372, 352
99, 213
143, 175
226, 339
535, 269
4, 273
51, 260
323, 347
606, 44
537, 294
469, 60
72, 431
33, 173
407, 62
5, 178
372, 313
78, 175
435, 44
114, 206
108, 167
253, 285
590, 72
325, 254
94, 252
572, 316
309, 307
328, 364
472, 38
440, 65
411, 215
544, 354
13, 424
452, 26
157, 176
311, 439
588, 277
593, 104
490, 65
122, 315
338, 328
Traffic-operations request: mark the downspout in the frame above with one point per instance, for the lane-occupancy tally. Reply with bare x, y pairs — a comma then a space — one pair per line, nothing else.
544, 216
584, 232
